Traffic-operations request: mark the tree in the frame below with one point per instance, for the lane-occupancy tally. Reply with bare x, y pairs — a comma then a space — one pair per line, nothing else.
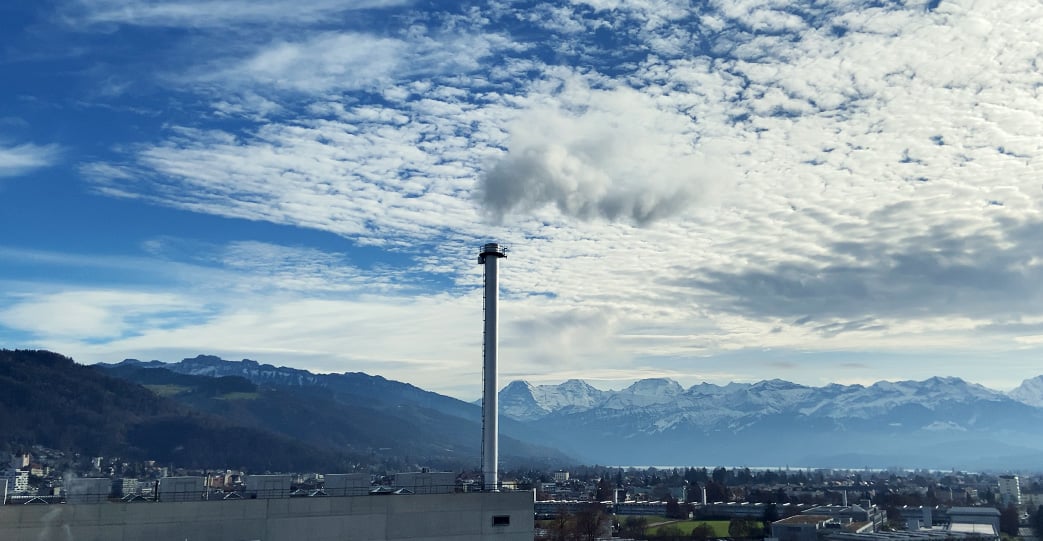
1009, 520
703, 532
670, 531
673, 509
692, 493
743, 528
633, 527
716, 492
605, 491
720, 475
590, 521
561, 527
771, 514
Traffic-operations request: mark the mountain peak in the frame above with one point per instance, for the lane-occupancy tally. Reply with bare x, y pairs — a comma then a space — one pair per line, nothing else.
775, 384
654, 386
945, 380
204, 359
1029, 392
525, 401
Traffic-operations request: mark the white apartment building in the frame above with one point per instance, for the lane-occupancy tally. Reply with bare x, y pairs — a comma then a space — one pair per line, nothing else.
1010, 490
17, 481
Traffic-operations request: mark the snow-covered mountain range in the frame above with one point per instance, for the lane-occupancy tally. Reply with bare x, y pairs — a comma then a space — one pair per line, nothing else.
940, 422
935, 422
524, 401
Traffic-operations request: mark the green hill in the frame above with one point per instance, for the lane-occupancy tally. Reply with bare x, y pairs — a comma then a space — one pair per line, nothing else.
48, 399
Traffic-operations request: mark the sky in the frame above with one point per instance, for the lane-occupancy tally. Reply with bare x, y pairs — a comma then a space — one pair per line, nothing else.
721, 190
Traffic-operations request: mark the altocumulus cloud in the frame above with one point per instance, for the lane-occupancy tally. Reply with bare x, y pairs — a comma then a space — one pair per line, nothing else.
876, 163
210, 13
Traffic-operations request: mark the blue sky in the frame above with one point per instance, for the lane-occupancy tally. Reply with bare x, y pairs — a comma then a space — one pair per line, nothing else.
842, 191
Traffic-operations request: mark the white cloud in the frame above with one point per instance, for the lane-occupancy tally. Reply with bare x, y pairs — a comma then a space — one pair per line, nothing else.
337, 61
95, 314
213, 13
402, 337
20, 159
324, 175
653, 9
609, 154
351, 61
842, 178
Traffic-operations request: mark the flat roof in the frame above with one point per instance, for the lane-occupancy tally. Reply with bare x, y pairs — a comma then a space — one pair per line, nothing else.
856, 526
967, 527
986, 511
804, 519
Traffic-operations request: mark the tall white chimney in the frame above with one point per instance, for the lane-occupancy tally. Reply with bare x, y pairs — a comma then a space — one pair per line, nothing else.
489, 256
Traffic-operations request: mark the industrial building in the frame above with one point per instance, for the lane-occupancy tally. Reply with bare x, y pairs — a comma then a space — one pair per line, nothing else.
450, 517
975, 520
800, 527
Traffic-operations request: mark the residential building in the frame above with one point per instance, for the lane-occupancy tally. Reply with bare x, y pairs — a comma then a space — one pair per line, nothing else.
19, 461
1010, 490
17, 481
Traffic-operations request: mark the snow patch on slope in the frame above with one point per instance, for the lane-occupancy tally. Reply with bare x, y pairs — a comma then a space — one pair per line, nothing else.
1029, 392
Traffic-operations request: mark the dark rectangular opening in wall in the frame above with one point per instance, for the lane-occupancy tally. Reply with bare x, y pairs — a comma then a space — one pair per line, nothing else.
501, 520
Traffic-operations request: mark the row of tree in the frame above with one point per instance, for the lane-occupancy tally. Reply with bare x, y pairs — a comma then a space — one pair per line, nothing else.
592, 522
738, 529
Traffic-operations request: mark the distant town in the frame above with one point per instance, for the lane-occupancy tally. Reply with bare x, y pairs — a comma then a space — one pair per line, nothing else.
595, 502
213, 450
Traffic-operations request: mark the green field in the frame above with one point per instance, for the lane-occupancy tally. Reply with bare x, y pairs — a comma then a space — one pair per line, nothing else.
166, 390
174, 390
720, 527
238, 396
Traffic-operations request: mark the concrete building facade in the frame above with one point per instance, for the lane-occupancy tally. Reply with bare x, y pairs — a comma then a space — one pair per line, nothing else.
504, 516
17, 480
856, 515
976, 520
799, 527
426, 482
916, 518
1010, 490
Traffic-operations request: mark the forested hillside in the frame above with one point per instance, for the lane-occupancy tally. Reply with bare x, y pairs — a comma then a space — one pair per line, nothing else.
48, 399
391, 429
